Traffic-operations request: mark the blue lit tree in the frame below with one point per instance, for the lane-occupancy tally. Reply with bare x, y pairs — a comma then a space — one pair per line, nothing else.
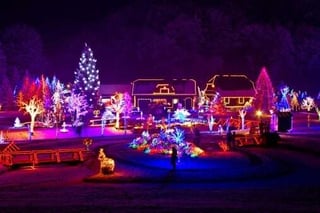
87, 80
283, 103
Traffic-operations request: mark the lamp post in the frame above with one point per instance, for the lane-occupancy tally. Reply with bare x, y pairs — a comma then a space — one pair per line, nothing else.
259, 115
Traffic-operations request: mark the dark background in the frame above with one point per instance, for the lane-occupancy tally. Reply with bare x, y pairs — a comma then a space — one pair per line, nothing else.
175, 39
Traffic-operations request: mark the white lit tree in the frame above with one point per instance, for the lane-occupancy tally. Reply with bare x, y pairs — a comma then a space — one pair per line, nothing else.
77, 105
308, 104
87, 80
120, 103
181, 113
58, 100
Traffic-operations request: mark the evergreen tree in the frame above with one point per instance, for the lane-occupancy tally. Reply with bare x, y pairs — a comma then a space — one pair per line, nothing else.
87, 77
6, 94
3, 62
265, 92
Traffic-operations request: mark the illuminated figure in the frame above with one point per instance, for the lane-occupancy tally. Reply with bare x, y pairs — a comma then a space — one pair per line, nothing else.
107, 165
242, 114
211, 122
283, 104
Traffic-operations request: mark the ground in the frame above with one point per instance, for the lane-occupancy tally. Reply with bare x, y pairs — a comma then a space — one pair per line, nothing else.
283, 178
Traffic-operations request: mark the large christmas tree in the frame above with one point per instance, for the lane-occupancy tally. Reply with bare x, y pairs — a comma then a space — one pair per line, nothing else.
87, 80
265, 92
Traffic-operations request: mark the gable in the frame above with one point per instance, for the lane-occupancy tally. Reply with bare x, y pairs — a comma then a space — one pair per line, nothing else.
164, 87
231, 85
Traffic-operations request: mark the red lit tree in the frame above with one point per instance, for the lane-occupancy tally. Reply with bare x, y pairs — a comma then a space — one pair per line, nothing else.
28, 90
29, 99
265, 92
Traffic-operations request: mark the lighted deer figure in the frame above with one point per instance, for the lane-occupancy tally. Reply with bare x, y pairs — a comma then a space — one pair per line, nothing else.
242, 114
308, 104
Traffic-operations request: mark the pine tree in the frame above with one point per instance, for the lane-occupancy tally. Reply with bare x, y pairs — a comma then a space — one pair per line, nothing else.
6, 93
265, 92
87, 77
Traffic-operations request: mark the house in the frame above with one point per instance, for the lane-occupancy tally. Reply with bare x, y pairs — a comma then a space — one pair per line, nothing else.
108, 90
235, 90
165, 92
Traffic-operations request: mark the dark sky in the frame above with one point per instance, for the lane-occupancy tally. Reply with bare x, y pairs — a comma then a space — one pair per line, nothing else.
57, 22
66, 25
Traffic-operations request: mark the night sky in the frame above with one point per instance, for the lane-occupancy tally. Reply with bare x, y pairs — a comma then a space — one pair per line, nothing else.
176, 39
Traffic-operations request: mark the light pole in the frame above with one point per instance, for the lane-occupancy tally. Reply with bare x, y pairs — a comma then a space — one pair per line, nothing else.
259, 115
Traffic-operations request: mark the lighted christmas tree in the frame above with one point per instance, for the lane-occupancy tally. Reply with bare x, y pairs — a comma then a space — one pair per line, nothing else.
264, 97
87, 77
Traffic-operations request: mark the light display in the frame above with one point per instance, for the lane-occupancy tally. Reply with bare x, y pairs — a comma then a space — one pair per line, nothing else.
120, 103
77, 104
318, 112
308, 104
242, 114
1, 137
58, 100
107, 165
87, 142
161, 143
34, 107
87, 77
234, 90
181, 114
211, 122
283, 104
17, 123
295, 105
265, 91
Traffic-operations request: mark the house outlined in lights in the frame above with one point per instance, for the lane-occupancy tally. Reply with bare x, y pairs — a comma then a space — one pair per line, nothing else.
234, 90
167, 92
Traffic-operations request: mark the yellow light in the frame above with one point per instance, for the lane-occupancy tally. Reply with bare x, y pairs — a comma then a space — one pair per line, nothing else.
258, 113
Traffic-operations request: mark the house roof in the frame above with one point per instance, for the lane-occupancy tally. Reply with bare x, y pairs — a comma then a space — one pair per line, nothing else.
111, 89
231, 85
164, 87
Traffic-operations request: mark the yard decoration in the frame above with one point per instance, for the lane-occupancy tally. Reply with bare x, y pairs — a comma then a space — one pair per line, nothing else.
107, 165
